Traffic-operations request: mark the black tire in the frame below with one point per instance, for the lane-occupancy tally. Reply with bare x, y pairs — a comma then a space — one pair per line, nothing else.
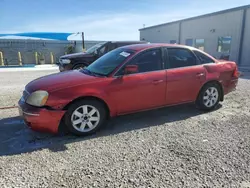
79, 66
98, 105
201, 102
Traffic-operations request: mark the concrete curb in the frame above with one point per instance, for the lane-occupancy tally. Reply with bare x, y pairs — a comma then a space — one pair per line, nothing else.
45, 66
29, 68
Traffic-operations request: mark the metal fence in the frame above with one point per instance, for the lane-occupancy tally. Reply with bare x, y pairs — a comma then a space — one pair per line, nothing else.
27, 52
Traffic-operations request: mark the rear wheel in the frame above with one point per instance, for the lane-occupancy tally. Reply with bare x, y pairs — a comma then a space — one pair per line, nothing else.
85, 117
209, 97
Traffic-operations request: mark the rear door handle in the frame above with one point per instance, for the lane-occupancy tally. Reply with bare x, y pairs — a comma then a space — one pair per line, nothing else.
157, 81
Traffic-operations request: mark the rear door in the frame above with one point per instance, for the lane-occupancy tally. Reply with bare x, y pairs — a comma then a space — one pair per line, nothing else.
184, 75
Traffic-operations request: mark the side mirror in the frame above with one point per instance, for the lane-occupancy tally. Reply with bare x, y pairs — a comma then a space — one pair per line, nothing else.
129, 69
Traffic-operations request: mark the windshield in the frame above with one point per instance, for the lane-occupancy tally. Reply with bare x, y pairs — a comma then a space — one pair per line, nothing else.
108, 62
95, 47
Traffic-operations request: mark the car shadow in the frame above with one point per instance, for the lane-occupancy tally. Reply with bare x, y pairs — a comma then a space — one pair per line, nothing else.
17, 138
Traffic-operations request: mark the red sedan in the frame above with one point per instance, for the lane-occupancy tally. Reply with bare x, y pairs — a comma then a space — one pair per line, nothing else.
126, 80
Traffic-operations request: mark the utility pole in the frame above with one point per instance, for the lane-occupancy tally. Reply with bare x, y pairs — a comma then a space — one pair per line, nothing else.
83, 45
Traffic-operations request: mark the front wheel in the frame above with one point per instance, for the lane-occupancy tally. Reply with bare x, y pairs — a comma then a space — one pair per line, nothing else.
79, 67
85, 117
209, 97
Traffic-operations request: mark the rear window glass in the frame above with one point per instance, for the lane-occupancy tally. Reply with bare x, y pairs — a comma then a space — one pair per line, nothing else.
203, 58
178, 57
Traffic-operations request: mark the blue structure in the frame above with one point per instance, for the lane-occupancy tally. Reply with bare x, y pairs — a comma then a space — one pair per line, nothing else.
44, 35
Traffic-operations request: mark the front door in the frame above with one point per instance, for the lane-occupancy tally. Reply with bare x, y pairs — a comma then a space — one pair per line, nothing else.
143, 90
184, 76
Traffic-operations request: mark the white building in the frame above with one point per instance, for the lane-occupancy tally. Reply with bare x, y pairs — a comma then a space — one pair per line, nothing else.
221, 33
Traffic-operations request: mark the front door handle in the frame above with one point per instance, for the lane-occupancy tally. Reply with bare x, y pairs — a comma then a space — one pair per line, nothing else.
157, 81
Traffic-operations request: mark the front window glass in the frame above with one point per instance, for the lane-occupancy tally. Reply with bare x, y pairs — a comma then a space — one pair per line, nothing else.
102, 51
95, 47
110, 61
146, 61
113, 46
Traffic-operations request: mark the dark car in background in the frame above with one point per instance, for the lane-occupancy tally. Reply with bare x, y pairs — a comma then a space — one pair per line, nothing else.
83, 59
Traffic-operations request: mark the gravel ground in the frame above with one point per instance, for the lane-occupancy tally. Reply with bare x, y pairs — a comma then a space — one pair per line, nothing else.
171, 147
13, 83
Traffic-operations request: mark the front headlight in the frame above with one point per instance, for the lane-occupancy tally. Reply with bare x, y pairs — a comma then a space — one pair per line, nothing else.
65, 61
38, 98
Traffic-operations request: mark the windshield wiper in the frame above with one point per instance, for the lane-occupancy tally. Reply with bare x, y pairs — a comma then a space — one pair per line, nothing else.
98, 74
93, 73
86, 71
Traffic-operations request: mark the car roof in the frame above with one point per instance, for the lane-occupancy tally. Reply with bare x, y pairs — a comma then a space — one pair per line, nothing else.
140, 47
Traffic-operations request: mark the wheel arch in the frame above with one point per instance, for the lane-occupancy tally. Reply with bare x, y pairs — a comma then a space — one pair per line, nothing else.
79, 63
89, 98
215, 82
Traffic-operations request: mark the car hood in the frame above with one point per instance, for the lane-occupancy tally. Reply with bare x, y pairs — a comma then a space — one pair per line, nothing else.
59, 81
76, 55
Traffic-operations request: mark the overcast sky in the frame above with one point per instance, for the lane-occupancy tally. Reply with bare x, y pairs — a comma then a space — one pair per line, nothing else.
101, 19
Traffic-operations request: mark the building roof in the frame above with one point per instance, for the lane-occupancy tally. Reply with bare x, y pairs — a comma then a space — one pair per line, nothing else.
128, 41
43, 35
201, 16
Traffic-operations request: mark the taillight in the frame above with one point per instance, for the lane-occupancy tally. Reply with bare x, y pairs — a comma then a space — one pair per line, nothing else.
236, 73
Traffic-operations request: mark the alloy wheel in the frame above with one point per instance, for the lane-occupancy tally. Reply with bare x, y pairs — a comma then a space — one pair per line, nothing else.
85, 118
210, 97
